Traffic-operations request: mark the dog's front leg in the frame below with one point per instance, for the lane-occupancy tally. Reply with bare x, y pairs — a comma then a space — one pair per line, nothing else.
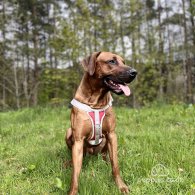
77, 158
112, 148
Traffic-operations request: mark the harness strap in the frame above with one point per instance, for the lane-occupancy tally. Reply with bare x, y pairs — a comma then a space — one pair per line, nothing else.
96, 120
87, 108
97, 127
96, 116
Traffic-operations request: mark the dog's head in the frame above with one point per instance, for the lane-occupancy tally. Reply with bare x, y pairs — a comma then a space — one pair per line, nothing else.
111, 70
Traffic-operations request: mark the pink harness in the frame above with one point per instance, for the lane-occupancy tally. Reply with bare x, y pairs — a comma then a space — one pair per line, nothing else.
96, 116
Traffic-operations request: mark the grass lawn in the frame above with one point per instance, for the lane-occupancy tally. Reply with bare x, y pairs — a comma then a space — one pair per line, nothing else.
156, 152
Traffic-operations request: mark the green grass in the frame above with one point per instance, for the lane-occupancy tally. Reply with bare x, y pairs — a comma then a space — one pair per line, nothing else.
156, 153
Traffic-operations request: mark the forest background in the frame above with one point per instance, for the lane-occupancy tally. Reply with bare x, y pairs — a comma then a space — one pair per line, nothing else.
43, 41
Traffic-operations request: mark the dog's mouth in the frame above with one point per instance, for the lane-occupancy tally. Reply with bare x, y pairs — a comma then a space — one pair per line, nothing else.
117, 87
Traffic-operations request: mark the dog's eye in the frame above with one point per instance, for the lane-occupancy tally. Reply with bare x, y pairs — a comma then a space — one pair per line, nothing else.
113, 62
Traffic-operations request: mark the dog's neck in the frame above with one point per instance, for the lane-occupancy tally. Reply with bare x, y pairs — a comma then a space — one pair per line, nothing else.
92, 92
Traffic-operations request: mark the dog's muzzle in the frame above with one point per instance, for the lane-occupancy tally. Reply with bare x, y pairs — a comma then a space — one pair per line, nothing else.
118, 83
132, 73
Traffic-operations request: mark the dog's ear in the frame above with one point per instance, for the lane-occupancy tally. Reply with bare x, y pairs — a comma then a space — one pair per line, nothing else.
89, 63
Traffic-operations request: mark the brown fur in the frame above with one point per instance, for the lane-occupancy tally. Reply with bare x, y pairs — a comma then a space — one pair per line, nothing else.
93, 92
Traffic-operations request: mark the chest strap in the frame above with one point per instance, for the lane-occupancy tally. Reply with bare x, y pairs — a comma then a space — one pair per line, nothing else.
96, 116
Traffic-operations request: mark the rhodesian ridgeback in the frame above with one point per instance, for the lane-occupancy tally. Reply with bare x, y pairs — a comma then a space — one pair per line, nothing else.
92, 117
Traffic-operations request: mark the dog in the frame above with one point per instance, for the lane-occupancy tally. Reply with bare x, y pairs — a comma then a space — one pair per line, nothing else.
92, 117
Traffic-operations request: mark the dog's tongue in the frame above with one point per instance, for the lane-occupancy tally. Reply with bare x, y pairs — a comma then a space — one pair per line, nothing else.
125, 89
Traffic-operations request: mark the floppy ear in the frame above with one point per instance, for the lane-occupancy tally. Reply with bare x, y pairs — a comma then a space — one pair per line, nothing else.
89, 63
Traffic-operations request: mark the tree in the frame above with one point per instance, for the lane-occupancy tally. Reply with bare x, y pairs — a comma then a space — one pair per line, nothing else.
188, 68
43, 41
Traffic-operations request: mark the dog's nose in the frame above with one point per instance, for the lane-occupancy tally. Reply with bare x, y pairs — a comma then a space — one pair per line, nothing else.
132, 72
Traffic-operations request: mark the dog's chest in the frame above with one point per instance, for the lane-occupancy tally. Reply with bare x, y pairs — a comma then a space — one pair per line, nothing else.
98, 122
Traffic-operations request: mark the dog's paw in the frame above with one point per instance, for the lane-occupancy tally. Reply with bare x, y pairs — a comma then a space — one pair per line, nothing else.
72, 193
122, 186
124, 189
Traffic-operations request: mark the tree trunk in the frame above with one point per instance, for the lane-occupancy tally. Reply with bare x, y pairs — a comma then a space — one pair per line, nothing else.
188, 68
161, 61
122, 35
193, 51
3, 54
168, 35
27, 69
16, 84
35, 73
4, 94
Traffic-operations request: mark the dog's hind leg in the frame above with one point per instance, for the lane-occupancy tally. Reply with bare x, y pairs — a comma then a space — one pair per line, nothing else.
68, 138
104, 153
69, 143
